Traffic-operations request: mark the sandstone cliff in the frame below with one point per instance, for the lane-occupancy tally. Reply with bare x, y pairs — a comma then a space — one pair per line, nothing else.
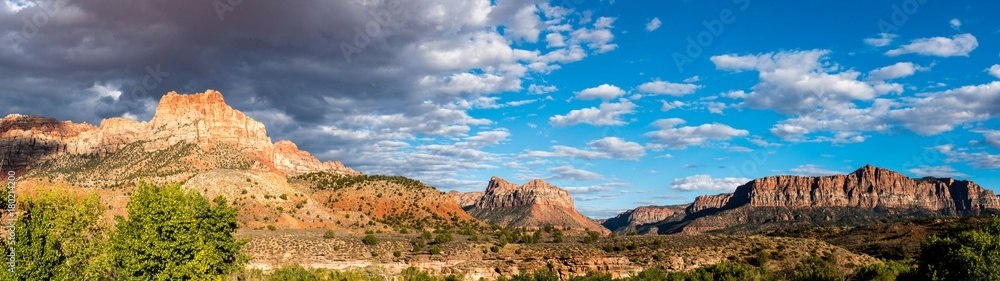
203, 120
465, 199
869, 194
532, 205
632, 219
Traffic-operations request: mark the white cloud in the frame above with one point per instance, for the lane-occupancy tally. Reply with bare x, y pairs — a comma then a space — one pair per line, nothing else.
810, 170
541, 89
801, 84
668, 105
992, 138
883, 39
980, 159
937, 172
994, 70
692, 79
525, 25
619, 148
707, 183
667, 88
608, 114
605, 148
597, 39
934, 113
958, 45
653, 24
898, 70
553, 40
604, 92
955, 23
672, 137
567, 172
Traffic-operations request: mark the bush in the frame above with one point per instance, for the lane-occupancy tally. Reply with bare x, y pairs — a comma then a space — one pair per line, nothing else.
444, 237
436, 250
397, 254
271, 227
814, 269
969, 255
329, 234
888, 271
369, 239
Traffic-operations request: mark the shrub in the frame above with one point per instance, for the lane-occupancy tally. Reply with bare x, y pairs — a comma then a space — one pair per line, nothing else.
369, 239
329, 234
397, 254
814, 269
444, 237
271, 227
969, 255
436, 250
888, 271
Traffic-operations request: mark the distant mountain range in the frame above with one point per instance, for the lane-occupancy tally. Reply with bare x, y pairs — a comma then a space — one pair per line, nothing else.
867, 195
200, 141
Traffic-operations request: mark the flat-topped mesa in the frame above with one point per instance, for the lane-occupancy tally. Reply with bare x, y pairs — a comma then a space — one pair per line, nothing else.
867, 187
501, 194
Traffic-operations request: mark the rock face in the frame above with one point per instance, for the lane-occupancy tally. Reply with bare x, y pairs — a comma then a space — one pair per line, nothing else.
465, 199
532, 205
203, 119
632, 219
867, 194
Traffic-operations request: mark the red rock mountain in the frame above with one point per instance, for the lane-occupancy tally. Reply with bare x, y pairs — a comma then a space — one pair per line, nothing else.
867, 194
632, 219
532, 205
202, 119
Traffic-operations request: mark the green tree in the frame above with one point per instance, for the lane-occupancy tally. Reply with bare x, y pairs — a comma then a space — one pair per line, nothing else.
969, 255
58, 237
175, 234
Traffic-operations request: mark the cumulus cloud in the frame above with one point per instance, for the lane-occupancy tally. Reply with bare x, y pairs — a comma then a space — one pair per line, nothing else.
955, 23
653, 24
567, 172
994, 70
668, 105
882, 40
934, 113
605, 148
707, 183
347, 80
673, 137
667, 88
937, 172
607, 114
810, 170
604, 92
958, 45
976, 159
898, 70
802, 84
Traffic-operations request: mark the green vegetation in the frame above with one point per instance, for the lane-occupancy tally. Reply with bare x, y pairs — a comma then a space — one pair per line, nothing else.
58, 237
175, 234
169, 234
329, 234
324, 180
969, 255
370, 239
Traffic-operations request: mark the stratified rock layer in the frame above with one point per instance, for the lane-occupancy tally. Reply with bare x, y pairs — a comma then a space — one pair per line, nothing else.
203, 119
867, 195
532, 205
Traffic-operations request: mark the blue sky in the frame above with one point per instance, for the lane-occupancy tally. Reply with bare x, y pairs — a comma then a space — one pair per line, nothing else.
624, 103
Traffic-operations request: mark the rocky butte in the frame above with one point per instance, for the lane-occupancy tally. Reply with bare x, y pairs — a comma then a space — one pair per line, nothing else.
532, 205
867, 195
